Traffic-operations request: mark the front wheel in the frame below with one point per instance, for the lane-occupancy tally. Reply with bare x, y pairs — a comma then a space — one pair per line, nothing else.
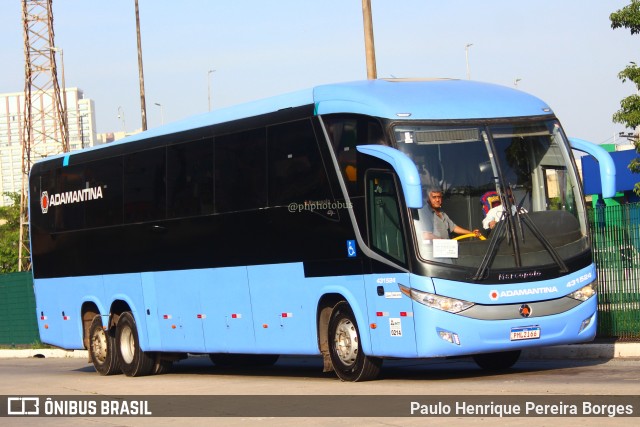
349, 361
102, 348
498, 361
133, 361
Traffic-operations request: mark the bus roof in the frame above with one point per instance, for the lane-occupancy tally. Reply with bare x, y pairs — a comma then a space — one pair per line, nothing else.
414, 99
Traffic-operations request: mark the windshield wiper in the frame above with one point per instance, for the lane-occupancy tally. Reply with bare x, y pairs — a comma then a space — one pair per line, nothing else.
520, 210
497, 235
523, 216
545, 243
505, 226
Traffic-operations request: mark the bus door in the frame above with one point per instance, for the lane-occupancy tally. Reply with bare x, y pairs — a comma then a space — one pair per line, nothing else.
390, 313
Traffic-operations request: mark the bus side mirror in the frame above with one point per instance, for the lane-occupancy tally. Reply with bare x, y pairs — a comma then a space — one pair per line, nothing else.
403, 166
607, 167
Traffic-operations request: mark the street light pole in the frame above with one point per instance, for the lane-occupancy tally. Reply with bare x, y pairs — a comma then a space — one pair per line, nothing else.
209, 86
161, 111
143, 106
466, 54
369, 47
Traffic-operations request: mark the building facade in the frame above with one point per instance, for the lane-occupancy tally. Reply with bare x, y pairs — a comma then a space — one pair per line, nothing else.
82, 134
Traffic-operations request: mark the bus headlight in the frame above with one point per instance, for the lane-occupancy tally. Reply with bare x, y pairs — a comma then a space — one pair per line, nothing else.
450, 305
584, 293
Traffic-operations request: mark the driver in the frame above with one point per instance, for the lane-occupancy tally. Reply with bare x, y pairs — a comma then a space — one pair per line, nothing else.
438, 223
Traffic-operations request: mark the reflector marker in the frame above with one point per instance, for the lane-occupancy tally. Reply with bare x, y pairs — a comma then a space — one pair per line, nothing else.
236, 316
382, 313
66, 317
287, 314
201, 316
406, 314
166, 316
43, 317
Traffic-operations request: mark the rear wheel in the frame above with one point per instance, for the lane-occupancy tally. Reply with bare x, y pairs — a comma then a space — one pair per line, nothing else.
102, 348
133, 361
498, 361
345, 349
161, 367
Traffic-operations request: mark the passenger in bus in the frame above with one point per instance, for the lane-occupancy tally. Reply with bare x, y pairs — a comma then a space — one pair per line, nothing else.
438, 225
498, 212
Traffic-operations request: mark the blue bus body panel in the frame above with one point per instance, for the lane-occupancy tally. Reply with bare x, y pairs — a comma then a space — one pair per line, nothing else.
178, 304
483, 336
273, 309
226, 302
283, 309
427, 100
392, 327
477, 336
58, 303
256, 309
514, 292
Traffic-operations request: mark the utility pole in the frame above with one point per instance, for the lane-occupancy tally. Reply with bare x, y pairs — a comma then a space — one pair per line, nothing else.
466, 55
143, 104
44, 130
369, 47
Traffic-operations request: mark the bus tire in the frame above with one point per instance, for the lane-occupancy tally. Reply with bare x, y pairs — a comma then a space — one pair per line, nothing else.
498, 361
345, 349
102, 349
161, 367
133, 361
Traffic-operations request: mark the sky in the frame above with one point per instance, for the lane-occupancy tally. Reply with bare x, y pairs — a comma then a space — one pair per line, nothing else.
563, 51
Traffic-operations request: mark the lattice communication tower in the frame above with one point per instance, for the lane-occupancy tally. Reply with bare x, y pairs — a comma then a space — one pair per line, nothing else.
44, 120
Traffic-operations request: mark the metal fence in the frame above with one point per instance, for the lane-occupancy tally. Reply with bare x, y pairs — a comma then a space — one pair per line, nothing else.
18, 324
615, 232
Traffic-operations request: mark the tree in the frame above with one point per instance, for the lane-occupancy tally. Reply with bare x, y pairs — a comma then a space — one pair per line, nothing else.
629, 113
10, 234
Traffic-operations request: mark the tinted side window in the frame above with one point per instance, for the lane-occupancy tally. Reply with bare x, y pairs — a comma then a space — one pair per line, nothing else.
144, 186
241, 171
190, 179
347, 132
296, 170
66, 204
105, 175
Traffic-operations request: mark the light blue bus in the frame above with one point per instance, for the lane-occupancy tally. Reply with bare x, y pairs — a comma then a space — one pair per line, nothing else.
314, 223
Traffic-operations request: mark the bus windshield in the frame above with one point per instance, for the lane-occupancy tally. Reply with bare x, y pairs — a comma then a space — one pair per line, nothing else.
513, 182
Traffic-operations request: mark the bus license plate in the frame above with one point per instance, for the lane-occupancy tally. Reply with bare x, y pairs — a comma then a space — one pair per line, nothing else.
525, 333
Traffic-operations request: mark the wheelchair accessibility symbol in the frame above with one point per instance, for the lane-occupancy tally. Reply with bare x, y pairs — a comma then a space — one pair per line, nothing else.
351, 248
